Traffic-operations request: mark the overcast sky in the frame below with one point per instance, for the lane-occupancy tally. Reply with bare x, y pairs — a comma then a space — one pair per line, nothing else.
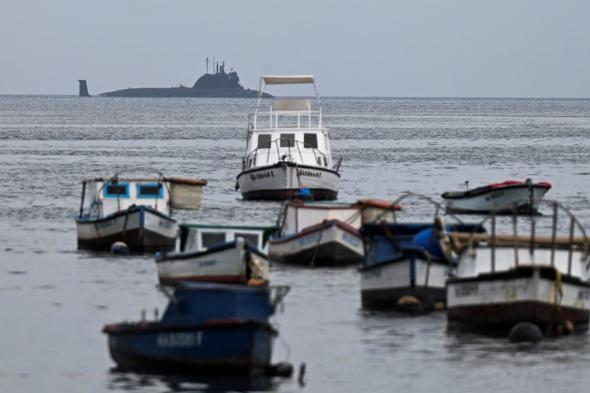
524, 48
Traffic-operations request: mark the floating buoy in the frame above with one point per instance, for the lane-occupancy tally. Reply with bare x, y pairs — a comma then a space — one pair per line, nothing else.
525, 332
409, 305
119, 248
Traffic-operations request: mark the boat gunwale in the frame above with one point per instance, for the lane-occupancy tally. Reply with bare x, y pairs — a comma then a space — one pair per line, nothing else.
326, 224
488, 188
288, 164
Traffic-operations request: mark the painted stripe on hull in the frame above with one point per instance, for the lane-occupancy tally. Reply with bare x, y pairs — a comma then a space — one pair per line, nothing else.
138, 241
501, 317
273, 195
328, 254
386, 299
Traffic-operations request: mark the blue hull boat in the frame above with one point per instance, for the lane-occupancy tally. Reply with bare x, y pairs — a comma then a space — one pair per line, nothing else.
206, 327
224, 345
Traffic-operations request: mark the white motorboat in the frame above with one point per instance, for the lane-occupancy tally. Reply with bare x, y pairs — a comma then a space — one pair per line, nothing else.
236, 261
318, 233
505, 279
288, 148
502, 197
136, 211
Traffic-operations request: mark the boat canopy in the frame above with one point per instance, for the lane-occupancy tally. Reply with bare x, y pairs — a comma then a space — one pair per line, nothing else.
287, 79
290, 104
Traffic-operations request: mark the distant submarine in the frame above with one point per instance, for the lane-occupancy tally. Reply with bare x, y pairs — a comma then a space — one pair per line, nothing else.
220, 84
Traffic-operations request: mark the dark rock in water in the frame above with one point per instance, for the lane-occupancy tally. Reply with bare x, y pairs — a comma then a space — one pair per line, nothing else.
119, 248
525, 332
83, 88
220, 84
409, 305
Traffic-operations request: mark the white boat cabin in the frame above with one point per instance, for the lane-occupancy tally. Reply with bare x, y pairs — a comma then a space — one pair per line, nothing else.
297, 215
199, 237
101, 198
290, 130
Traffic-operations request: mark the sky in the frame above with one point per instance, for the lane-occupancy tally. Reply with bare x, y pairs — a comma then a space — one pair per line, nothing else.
393, 48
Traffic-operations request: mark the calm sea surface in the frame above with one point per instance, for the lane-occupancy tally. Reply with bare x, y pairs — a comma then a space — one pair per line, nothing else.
54, 300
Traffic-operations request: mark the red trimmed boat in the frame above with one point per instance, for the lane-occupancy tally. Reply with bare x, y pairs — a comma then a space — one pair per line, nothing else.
504, 197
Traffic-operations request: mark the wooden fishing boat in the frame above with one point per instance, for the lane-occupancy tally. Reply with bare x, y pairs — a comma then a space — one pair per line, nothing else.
236, 261
406, 259
505, 279
136, 211
317, 233
500, 198
288, 148
205, 328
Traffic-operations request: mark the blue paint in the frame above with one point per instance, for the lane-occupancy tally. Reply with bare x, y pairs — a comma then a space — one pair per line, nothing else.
396, 242
205, 324
106, 194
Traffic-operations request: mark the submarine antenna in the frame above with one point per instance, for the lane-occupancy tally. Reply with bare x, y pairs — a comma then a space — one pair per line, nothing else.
213, 68
206, 65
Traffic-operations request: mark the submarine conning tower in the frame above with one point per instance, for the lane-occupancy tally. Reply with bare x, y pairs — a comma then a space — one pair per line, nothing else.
218, 80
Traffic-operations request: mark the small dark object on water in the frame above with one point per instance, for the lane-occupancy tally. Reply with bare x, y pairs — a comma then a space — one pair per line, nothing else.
564, 328
119, 248
525, 332
301, 377
409, 305
281, 369
305, 194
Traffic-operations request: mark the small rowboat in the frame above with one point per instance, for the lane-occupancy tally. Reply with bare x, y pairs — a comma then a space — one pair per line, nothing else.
236, 261
502, 197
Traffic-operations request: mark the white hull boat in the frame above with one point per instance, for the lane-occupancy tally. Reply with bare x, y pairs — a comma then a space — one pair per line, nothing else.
503, 280
499, 198
404, 259
136, 211
329, 243
288, 148
232, 262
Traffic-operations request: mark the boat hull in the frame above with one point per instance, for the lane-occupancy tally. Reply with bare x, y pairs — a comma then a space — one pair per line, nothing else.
383, 284
537, 294
330, 243
282, 180
218, 346
229, 262
141, 228
499, 200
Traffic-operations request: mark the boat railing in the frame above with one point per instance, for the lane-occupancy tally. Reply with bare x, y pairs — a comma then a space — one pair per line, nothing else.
533, 240
285, 120
298, 150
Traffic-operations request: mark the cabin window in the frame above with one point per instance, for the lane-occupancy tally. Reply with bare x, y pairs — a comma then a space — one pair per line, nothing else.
264, 141
319, 160
325, 162
249, 237
150, 190
287, 140
116, 190
209, 239
310, 141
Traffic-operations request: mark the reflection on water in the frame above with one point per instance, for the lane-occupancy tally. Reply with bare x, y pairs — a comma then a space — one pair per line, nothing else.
55, 300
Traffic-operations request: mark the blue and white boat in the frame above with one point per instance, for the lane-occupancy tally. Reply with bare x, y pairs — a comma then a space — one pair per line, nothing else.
136, 211
406, 259
206, 327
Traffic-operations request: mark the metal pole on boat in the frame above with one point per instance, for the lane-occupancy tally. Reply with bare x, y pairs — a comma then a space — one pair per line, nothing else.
83, 197
554, 234
515, 228
532, 241
571, 243
493, 242
529, 183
